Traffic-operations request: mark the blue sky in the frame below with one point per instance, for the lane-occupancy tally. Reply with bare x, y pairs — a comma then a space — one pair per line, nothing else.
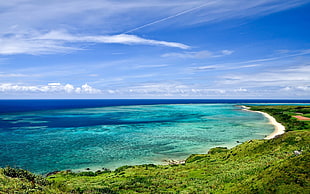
154, 49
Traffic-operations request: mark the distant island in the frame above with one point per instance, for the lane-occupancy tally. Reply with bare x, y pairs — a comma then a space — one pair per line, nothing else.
278, 164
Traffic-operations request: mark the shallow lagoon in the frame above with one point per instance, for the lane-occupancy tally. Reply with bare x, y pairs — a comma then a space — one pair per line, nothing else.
45, 141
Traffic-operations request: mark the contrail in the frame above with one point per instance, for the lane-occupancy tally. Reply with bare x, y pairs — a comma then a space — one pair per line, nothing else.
167, 18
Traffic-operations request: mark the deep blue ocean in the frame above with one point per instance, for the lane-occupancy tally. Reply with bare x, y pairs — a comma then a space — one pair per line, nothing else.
49, 135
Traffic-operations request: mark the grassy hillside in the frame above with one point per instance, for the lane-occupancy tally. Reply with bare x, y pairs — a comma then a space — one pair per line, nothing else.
279, 165
284, 115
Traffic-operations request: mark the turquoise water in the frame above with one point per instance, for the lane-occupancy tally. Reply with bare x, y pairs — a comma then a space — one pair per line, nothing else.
110, 137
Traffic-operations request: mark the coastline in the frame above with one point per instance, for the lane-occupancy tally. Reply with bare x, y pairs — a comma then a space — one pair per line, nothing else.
279, 129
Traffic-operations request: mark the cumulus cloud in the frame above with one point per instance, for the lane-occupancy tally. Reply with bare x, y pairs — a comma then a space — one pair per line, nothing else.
49, 88
87, 89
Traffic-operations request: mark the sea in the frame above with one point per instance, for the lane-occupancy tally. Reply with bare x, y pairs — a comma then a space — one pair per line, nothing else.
43, 136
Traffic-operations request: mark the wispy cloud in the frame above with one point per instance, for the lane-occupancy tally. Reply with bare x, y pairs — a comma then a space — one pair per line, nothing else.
199, 54
62, 42
10, 46
282, 55
6, 75
170, 17
297, 88
118, 39
291, 77
83, 17
211, 68
149, 66
110, 14
219, 10
174, 89
222, 67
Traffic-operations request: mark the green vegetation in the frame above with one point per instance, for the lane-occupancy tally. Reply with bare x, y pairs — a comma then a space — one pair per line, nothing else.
284, 115
279, 165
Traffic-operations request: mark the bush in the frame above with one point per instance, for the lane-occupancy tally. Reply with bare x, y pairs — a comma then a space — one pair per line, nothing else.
18, 173
24, 174
122, 168
195, 157
218, 150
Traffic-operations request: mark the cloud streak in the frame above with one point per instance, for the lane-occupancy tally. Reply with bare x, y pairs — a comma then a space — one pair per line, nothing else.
169, 17
289, 78
219, 10
199, 54
62, 42
287, 55
110, 14
173, 89
114, 39
108, 17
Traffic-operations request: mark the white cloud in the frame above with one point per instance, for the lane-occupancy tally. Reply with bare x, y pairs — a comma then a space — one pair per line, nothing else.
107, 17
54, 84
219, 10
58, 42
69, 88
241, 90
174, 89
283, 55
116, 39
90, 90
222, 67
289, 81
132, 15
112, 91
199, 54
227, 52
273, 77
286, 56
207, 67
49, 88
31, 45
12, 75
297, 88
150, 66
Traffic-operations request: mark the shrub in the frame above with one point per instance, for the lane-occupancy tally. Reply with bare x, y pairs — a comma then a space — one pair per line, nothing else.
24, 174
122, 168
218, 150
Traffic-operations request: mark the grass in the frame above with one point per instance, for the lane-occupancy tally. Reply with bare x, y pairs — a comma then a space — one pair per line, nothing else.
255, 166
283, 114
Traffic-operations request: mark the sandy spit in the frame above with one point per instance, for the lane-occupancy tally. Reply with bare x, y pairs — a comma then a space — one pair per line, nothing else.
279, 128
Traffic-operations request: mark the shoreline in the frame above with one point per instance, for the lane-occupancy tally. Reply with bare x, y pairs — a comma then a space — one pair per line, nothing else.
279, 129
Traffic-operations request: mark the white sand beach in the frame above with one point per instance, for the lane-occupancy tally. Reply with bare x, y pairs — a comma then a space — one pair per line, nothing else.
279, 128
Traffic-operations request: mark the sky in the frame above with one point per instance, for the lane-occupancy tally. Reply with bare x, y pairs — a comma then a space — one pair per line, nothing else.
155, 49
